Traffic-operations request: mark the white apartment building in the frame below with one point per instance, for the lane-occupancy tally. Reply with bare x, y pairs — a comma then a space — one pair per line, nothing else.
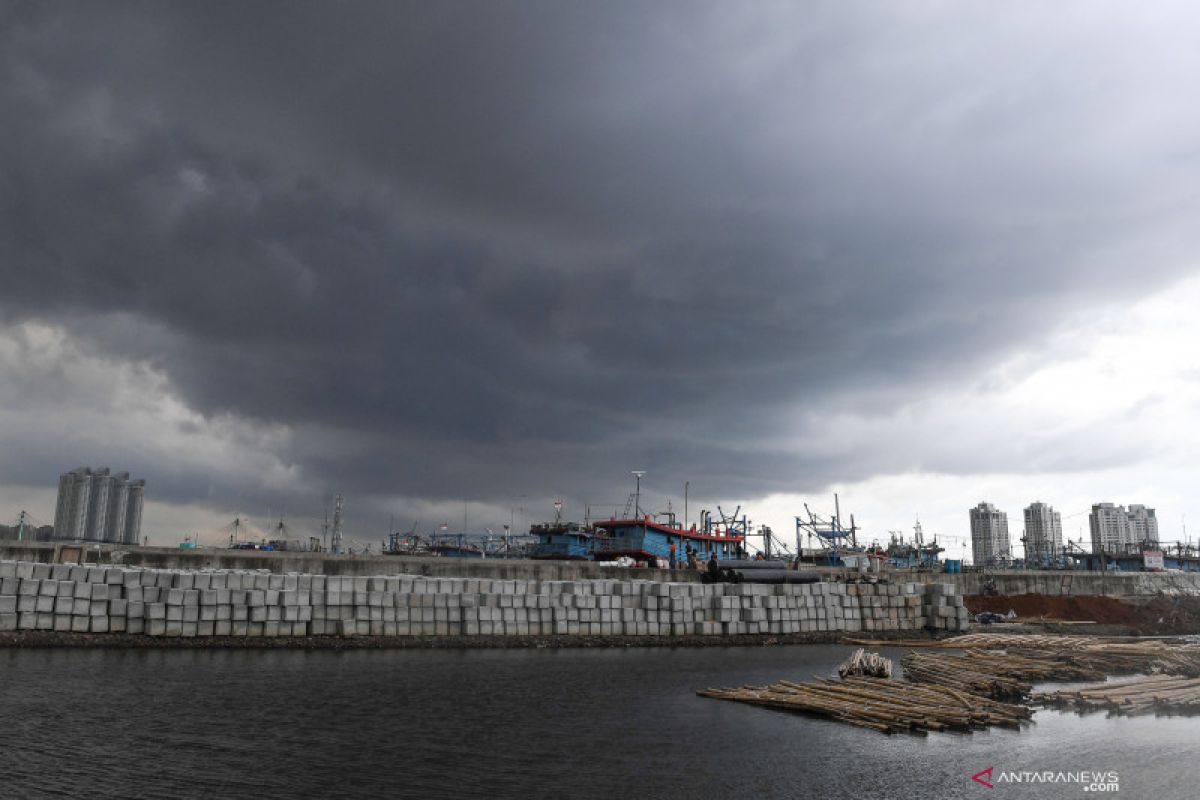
1116, 530
1043, 533
989, 536
98, 506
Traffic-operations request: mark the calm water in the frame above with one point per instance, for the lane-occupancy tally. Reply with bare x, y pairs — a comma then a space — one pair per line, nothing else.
500, 724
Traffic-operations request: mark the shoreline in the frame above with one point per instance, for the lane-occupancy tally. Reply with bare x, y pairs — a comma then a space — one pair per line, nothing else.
125, 641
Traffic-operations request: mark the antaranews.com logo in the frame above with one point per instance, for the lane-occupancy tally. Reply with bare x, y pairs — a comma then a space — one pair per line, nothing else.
1107, 781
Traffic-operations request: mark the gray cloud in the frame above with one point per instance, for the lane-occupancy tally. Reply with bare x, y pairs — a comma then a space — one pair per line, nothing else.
488, 249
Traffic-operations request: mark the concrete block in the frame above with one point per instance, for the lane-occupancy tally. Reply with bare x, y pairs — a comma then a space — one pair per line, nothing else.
135, 625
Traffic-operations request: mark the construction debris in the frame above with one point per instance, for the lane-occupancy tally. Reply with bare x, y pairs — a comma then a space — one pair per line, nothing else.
864, 664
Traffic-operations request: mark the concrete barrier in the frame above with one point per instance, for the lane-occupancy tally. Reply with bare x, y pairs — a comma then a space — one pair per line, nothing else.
190, 603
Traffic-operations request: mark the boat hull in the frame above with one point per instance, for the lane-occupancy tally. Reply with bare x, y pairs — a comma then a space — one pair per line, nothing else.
642, 539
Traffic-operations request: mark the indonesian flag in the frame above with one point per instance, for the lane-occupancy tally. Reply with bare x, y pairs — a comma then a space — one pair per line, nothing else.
558, 505
443, 526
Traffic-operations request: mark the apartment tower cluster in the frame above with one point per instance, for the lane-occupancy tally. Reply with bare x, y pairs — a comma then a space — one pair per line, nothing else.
99, 506
1115, 529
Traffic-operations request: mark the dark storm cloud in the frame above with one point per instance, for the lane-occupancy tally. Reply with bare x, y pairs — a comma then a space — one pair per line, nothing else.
487, 248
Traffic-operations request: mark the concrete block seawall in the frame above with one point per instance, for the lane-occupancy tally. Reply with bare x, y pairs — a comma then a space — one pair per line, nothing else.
104, 599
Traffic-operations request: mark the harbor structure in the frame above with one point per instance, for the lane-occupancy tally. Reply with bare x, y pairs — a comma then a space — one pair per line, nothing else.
989, 536
1043, 534
99, 506
1117, 530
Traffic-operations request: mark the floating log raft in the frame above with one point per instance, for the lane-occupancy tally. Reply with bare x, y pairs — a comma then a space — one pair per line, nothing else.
881, 704
1155, 694
864, 664
1011, 673
980, 685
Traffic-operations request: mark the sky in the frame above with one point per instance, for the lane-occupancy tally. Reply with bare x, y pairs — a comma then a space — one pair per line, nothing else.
455, 261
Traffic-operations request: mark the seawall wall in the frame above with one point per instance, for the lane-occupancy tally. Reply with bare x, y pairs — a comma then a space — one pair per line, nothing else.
189, 603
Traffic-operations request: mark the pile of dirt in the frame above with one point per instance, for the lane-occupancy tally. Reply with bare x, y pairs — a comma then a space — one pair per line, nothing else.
1152, 615
1090, 608
1163, 614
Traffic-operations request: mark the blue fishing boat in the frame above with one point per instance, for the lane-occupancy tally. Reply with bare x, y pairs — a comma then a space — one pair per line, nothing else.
644, 539
455, 546
563, 541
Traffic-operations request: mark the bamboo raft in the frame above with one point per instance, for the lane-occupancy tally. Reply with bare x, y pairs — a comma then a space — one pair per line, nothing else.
883, 705
983, 684
1155, 694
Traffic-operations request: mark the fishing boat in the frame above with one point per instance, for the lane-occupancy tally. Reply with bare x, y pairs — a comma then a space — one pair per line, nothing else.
563, 541
647, 540
917, 554
837, 544
455, 546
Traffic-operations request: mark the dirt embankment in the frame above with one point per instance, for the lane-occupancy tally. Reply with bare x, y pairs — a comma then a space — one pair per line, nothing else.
1155, 615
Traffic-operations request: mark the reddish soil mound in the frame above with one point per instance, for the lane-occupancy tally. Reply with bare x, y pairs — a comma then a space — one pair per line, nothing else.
1107, 610
1159, 614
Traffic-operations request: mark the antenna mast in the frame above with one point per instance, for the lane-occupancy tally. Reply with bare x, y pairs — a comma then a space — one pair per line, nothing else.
335, 544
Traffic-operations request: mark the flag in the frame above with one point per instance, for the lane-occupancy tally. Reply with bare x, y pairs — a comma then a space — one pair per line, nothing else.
443, 526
